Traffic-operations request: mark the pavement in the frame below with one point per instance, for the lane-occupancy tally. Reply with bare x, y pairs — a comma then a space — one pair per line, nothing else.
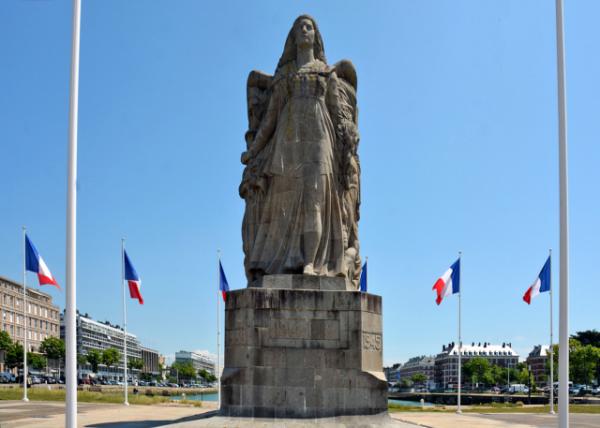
49, 414
44, 414
495, 420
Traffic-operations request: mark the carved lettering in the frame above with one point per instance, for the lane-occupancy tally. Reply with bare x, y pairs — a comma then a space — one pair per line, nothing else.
371, 342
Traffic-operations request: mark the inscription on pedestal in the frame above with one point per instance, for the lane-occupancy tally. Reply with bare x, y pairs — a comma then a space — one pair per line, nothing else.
371, 341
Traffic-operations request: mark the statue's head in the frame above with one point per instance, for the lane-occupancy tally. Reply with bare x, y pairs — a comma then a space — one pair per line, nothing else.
304, 34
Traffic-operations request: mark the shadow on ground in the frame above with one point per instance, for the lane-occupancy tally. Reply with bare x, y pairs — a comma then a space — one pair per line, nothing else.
148, 424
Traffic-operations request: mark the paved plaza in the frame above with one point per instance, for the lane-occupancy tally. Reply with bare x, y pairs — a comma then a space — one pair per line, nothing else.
51, 415
497, 420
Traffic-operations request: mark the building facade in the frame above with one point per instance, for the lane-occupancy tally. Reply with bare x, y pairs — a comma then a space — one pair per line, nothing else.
100, 336
43, 318
392, 374
446, 362
537, 360
151, 360
200, 360
420, 365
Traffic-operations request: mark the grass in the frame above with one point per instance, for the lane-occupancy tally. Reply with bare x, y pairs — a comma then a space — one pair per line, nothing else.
496, 408
42, 394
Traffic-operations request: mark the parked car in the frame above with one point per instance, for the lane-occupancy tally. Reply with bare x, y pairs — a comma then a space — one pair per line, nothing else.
7, 377
516, 388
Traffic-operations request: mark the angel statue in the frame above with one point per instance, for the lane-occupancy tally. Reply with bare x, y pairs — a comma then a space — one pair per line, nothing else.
301, 183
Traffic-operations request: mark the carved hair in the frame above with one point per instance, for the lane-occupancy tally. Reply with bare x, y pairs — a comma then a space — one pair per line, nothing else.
290, 48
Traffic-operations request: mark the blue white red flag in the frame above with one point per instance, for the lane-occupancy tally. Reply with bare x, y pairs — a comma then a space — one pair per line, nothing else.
541, 283
363, 279
223, 284
448, 283
35, 263
133, 279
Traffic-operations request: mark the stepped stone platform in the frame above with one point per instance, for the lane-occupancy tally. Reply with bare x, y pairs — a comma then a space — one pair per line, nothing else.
382, 420
302, 347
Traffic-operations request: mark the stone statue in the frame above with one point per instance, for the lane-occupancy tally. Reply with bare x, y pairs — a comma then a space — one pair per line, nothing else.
301, 183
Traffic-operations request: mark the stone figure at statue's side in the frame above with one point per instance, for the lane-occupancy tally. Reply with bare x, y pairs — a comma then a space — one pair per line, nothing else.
301, 182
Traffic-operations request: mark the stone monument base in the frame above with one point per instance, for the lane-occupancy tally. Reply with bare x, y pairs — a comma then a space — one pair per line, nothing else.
296, 352
382, 420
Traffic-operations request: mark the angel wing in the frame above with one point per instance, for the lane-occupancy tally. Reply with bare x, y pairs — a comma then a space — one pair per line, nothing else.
348, 138
258, 94
347, 90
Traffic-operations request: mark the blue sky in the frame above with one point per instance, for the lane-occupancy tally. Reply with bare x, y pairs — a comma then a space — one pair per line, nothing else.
458, 123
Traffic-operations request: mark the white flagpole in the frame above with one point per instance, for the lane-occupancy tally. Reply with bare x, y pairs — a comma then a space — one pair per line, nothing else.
70, 306
25, 398
125, 402
563, 367
551, 344
458, 409
218, 330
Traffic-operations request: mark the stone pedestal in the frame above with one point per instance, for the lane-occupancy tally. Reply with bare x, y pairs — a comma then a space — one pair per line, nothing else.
302, 347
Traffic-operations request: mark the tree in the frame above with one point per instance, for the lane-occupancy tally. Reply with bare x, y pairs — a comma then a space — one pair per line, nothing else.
419, 378
94, 358
206, 375
36, 361
136, 363
588, 337
6, 344
498, 374
53, 348
5, 341
184, 370
584, 362
110, 357
405, 383
14, 356
478, 370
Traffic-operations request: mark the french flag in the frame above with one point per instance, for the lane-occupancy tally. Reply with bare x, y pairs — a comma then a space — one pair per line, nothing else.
223, 284
541, 283
35, 263
448, 283
132, 279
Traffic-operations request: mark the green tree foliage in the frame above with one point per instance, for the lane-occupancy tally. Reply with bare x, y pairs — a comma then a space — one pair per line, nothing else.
419, 378
184, 370
479, 371
584, 360
206, 375
5, 341
53, 348
14, 356
136, 363
588, 337
94, 358
36, 361
110, 357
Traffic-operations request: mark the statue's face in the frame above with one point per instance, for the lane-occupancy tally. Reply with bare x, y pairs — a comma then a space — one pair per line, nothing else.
305, 33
